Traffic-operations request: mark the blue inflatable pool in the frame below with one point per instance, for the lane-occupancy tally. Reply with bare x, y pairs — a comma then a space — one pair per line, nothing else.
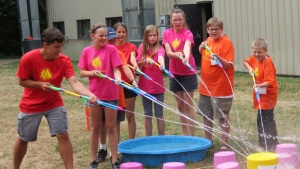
156, 150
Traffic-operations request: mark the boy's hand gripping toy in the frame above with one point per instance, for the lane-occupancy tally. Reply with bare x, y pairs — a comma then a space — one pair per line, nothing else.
255, 88
86, 98
215, 58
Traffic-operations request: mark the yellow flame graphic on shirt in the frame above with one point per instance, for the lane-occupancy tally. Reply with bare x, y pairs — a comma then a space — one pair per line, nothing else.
96, 62
175, 43
46, 74
256, 72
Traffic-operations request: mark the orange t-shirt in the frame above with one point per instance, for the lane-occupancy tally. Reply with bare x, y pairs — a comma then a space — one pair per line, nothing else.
121, 101
264, 71
214, 81
126, 50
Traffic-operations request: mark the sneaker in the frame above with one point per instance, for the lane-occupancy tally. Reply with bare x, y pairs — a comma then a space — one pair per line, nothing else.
102, 155
110, 159
94, 165
116, 165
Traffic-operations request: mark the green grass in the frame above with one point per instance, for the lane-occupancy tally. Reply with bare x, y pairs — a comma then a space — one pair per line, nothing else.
2, 56
44, 152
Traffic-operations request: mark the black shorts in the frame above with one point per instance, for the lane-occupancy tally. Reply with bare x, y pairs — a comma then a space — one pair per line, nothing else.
183, 82
128, 93
120, 115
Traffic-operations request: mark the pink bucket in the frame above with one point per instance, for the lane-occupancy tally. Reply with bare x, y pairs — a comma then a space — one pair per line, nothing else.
228, 165
291, 149
131, 165
174, 165
224, 156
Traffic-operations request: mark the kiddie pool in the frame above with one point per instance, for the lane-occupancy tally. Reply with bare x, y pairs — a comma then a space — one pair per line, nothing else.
156, 150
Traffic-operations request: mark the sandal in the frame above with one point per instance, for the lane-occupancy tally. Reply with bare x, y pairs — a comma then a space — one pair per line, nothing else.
224, 148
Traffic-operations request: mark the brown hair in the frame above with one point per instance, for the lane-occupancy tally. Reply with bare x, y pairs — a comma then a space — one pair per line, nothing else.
118, 24
51, 35
95, 27
146, 42
178, 10
214, 22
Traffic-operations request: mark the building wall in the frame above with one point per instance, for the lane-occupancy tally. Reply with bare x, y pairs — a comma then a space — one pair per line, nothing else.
277, 21
70, 11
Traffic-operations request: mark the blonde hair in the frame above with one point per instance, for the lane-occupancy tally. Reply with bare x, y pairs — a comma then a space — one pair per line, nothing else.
146, 43
214, 22
260, 43
178, 10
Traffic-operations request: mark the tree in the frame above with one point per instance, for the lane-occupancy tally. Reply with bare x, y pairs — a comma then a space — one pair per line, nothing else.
10, 43
10, 38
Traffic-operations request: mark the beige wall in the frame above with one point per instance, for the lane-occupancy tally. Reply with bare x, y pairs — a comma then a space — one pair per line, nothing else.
70, 11
278, 21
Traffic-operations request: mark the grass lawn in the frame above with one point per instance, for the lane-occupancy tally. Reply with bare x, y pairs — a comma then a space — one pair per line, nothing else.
44, 152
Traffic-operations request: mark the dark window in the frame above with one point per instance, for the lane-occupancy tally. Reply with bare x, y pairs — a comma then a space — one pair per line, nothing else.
111, 21
60, 26
83, 27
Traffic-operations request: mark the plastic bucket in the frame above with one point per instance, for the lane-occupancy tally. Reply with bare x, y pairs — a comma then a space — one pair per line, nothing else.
262, 160
87, 118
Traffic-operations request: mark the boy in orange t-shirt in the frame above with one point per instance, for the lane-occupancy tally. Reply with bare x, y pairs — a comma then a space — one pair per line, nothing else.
216, 86
261, 65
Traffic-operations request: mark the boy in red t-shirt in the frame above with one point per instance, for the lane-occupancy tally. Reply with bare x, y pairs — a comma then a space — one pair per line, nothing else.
261, 65
38, 70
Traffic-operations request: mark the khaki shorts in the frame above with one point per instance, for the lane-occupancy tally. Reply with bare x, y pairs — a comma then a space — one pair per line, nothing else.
214, 107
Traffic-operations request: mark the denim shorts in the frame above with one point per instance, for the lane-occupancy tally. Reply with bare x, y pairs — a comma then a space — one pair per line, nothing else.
28, 124
158, 109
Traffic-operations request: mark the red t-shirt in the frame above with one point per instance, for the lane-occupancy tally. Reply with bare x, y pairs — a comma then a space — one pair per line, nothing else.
33, 66
214, 81
264, 72
126, 50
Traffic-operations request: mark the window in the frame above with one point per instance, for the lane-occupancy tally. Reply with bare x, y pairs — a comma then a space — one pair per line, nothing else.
83, 27
60, 26
111, 21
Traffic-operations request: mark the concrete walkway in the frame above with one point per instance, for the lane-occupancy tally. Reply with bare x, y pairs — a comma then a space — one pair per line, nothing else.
7, 61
